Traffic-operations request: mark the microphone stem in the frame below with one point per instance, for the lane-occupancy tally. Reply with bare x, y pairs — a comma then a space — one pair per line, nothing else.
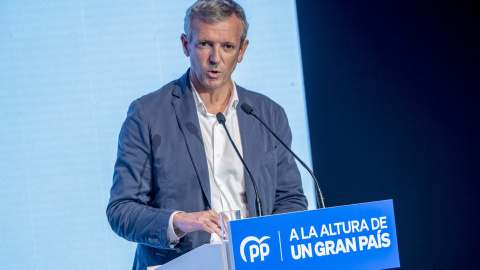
258, 204
318, 193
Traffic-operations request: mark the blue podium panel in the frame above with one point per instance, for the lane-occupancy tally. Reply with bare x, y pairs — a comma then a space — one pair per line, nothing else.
360, 236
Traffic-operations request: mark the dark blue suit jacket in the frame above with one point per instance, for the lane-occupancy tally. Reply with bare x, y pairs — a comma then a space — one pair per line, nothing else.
161, 167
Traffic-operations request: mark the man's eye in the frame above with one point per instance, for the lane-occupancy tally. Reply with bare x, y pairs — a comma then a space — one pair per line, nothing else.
228, 46
202, 44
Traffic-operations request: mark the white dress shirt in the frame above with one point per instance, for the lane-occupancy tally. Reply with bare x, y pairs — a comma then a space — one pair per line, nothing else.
225, 170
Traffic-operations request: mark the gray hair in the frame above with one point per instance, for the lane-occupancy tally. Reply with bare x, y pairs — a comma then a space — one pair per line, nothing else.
214, 11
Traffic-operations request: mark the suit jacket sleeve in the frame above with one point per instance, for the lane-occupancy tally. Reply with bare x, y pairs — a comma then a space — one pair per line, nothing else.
128, 211
289, 195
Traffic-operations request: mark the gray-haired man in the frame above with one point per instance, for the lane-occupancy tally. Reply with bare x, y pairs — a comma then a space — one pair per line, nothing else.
176, 168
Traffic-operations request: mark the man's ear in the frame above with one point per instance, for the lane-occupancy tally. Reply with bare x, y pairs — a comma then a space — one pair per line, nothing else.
242, 50
184, 39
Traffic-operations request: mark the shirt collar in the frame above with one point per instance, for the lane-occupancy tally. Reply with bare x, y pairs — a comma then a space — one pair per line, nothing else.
201, 107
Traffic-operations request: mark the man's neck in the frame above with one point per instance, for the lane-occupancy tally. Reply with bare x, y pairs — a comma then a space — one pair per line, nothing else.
215, 100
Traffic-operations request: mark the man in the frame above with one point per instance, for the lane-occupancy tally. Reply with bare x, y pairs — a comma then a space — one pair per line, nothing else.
175, 167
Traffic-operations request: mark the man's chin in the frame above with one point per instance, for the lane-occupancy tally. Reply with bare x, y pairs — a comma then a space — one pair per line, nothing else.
213, 85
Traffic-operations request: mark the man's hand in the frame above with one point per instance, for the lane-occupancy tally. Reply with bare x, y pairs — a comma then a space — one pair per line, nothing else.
208, 221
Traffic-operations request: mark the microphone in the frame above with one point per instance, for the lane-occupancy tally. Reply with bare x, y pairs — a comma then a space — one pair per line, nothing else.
258, 204
320, 203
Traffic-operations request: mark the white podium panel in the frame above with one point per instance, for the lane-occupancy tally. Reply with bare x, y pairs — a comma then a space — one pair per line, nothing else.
206, 257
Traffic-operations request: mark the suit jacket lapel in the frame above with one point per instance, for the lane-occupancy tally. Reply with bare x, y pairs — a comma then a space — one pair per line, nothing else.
187, 118
249, 132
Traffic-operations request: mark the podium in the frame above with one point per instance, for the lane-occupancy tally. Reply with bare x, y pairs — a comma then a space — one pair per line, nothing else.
211, 256
359, 236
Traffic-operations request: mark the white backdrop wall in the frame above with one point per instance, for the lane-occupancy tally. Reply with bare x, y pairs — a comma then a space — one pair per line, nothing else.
68, 71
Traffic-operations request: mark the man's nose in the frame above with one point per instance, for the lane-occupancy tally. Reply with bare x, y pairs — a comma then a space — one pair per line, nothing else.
215, 54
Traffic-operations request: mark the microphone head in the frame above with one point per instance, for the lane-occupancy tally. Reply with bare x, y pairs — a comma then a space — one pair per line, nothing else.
247, 108
221, 118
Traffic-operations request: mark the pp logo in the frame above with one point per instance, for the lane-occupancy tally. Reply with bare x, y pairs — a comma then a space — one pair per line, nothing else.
261, 250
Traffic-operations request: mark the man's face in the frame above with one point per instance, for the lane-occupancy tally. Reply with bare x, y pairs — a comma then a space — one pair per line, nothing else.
214, 52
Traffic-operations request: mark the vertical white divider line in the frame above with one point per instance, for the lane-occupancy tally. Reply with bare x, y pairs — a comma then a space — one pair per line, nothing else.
280, 241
